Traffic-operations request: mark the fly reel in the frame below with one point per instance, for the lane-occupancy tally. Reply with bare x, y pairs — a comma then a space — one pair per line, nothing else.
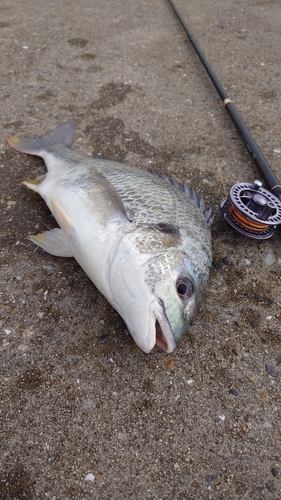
252, 210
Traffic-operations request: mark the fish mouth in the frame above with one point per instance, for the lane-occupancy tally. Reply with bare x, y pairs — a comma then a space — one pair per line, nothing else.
160, 337
164, 336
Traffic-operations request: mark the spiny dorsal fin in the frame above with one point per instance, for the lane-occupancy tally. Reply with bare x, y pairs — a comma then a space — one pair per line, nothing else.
197, 198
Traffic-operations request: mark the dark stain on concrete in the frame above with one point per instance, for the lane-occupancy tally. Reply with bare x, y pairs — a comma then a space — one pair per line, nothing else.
16, 484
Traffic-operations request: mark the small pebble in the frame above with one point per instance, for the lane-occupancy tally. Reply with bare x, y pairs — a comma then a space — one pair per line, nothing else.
233, 392
270, 257
217, 265
88, 404
274, 471
267, 425
48, 268
210, 478
22, 347
270, 486
169, 363
264, 397
89, 477
103, 338
253, 323
135, 349
225, 261
271, 370
278, 337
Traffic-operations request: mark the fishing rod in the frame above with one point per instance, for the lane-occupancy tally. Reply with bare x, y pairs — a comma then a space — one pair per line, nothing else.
250, 209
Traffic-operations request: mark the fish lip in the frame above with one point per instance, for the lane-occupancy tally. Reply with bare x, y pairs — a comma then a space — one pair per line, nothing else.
164, 336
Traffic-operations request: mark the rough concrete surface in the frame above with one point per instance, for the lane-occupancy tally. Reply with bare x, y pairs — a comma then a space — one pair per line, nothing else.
85, 414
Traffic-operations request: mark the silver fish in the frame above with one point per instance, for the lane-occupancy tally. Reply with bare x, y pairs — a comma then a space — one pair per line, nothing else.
143, 239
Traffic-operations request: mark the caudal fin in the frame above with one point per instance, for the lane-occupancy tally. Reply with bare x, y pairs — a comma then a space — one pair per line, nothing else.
38, 145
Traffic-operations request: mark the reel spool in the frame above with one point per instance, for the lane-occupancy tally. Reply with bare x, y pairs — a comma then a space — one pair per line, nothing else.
252, 210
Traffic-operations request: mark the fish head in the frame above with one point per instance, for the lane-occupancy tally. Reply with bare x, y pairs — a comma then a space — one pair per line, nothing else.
179, 291
157, 293
132, 296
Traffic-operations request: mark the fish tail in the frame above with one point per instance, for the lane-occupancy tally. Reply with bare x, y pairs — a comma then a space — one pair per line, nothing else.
38, 145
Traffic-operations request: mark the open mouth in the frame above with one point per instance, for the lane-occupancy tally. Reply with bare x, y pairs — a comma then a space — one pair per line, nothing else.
160, 337
164, 336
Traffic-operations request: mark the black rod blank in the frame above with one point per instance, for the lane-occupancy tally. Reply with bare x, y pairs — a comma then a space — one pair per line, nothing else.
247, 138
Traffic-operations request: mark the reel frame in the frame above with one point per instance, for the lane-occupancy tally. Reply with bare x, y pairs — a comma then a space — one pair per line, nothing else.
252, 210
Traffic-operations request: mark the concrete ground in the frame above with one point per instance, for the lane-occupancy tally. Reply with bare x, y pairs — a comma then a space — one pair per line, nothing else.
86, 415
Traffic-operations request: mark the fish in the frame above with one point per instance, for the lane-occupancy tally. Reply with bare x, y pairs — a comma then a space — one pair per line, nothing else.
142, 238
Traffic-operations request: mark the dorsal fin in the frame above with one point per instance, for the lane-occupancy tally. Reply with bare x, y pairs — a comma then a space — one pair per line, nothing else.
197, 198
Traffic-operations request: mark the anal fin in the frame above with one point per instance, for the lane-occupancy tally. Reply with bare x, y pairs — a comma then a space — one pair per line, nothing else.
53, 242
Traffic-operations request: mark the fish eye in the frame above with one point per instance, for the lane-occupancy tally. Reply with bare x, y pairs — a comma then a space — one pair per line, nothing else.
184, 288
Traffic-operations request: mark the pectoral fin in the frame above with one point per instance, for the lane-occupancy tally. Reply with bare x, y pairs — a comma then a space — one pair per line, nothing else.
103, 200
53, 242
65, 222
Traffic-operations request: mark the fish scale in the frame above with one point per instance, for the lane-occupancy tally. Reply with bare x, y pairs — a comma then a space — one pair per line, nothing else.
144, 193
146, 197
